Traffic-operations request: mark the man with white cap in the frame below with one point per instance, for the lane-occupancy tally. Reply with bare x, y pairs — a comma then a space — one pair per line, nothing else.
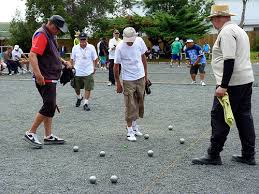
17, 55
176, 48
130, 54
197, 61
234, 75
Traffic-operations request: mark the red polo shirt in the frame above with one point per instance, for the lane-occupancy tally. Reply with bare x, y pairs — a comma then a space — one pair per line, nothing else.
39, 43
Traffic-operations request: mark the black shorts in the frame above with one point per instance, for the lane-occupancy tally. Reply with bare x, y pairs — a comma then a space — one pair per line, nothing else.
48, 94
200, 67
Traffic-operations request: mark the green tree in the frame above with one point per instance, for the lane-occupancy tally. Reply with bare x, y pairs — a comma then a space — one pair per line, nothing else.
77, 13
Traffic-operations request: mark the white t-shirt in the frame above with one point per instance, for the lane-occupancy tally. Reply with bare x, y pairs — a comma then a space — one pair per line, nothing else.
130, 59
17, 54
232, 43
113, 43
84, 59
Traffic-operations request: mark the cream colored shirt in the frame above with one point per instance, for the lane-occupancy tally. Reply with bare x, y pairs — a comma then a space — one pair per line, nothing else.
112, 44
232, 43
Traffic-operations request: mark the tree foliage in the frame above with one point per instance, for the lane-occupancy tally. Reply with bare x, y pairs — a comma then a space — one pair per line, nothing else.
77, 13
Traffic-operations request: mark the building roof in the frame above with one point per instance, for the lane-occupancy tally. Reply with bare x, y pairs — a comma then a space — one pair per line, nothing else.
4, 30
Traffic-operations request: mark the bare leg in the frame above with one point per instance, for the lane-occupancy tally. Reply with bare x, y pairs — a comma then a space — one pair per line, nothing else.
202, 76
77, 92
87, 94
129, 123
193, 77
36, 123
47, 126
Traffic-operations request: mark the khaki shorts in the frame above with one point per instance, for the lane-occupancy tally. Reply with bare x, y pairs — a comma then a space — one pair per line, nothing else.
84, 82
134, 99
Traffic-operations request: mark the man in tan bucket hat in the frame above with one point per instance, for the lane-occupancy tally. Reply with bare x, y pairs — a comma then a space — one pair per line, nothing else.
234, 75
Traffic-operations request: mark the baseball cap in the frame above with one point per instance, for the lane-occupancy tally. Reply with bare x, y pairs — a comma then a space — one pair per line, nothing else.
129, 34
189, 40
16, 47
59, 22
82, 36
176, 38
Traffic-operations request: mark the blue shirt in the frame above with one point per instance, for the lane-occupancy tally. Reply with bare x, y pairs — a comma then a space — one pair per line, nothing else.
206, 48
193, 53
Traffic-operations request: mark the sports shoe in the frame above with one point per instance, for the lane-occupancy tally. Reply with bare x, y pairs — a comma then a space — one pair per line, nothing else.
78, 102
131, 137
203, 83
193, 82
245, 160
109, 84
136, 131
32, 139
52, 139
207, 160
86, 107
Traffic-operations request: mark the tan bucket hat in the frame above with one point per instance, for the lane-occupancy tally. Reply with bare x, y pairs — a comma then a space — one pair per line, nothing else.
220, 10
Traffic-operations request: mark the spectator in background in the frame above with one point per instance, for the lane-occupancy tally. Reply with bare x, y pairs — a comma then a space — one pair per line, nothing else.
112, 47
98, 51
76, 40
2, 64
17, 55
176, 48
206, 49
155, 51
103, 54
8, 60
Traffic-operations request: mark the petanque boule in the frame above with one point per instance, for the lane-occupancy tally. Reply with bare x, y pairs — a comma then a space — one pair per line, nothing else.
114, 179
150, 153
146, 136
92, 179
170, 127
102, 153
182, 140
75, 148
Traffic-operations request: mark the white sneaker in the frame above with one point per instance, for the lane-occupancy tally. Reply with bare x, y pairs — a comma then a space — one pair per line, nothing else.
109, 84
136, 131
203, 83
32, 139
131, 137
193, 82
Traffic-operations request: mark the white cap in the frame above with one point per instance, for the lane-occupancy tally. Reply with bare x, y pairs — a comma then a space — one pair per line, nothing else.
129, 34
189, 40
16, 47
176, 38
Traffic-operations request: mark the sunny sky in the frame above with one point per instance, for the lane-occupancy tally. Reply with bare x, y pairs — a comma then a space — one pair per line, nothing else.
7, 9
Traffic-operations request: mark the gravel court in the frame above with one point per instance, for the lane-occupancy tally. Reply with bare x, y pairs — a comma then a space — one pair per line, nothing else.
57, 169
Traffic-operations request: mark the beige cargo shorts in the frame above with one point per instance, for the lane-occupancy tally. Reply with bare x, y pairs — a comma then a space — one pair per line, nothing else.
134, 99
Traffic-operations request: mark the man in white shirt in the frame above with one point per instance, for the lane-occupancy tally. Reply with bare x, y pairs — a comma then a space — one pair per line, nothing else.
234, 75
130, 54
17, 55
84, 59
112, 47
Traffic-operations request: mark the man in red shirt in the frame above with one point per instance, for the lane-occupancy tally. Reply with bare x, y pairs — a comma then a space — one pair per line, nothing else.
46, 65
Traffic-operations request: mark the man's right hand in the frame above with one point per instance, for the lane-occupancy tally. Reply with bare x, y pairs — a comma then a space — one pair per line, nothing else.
119, 88
40, 80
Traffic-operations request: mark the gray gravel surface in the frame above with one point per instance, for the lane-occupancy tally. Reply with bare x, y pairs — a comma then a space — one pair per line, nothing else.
57, 169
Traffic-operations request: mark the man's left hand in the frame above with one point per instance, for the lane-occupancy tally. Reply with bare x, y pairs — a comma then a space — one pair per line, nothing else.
220, 92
